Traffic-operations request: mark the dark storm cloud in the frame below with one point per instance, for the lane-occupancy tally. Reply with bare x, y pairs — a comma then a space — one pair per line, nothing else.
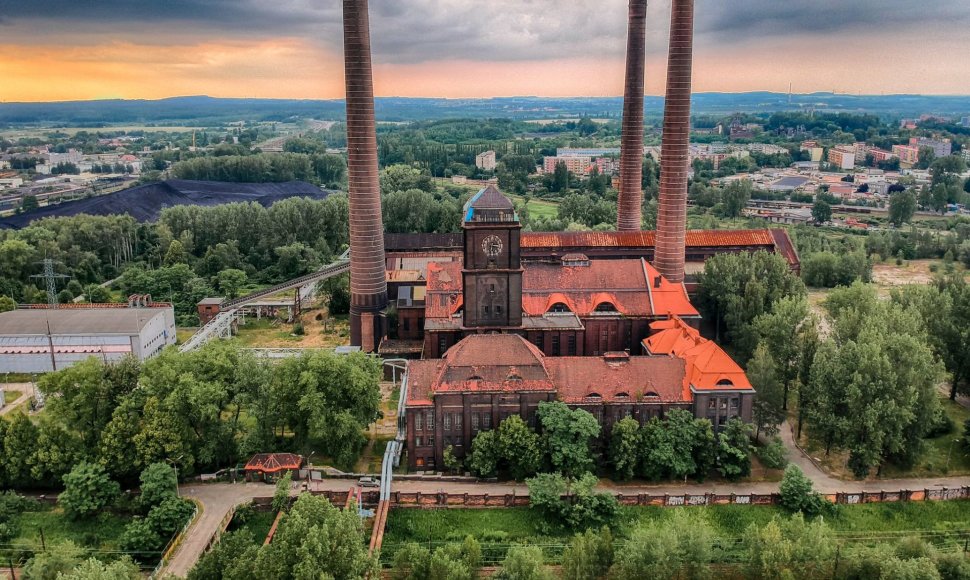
410, 31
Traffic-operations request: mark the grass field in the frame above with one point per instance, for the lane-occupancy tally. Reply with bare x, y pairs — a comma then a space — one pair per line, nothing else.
102, 532
258, 523
270, 333
540, 208
521, 525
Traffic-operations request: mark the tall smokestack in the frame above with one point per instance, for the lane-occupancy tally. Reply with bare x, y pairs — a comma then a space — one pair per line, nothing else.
368, 288
628, 215
672, 212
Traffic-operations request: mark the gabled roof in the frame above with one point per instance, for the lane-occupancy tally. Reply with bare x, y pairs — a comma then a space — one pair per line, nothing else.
709, 368
509, 363
631, 286
274, 462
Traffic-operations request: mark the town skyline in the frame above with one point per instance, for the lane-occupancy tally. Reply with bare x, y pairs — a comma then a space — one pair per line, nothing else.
53, 50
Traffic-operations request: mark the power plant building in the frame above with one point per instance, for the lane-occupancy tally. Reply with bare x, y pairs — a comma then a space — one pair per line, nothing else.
40, 339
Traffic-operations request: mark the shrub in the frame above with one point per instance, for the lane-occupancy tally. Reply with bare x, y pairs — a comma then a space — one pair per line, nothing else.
158, 483
940, 424
281, 498
169, 516
141, 539
523, 563
298, 329
87, 490
581, 509
797, 493
773, 454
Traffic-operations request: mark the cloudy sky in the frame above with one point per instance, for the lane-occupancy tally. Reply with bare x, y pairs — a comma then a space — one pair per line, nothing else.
87, 49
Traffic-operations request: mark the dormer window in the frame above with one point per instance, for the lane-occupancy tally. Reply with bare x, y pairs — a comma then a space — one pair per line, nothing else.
559, 308
605, 307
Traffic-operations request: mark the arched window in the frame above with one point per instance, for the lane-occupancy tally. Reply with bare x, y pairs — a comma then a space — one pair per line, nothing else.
651, 394
605, 307
594, 397
475, 378
622, 396
725, 383
514, 377
559, 307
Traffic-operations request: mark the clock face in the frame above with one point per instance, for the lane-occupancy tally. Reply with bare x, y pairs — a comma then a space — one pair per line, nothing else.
492, 246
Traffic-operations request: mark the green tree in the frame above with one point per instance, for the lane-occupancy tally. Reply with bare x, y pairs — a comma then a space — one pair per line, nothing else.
175, 254
316, 536
523, 563
7, 304
97, 294
624, 447
735, 289
735, 197
571, 503
769, 405
589, 555
679, 548
59, 559
231, 558
678, 447
141, 540
789, 548
230, 281
29, 204
568, 434
560, 178
519, 447
773, 454
170, 516
281, 497
87, 490
411, 562
797, 494
19, 451
158, 484
94, 569
734, 450
452, 463
485, 455
821, 212
902, 206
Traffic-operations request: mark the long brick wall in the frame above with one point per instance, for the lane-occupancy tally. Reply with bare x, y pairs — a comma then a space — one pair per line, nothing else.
400, 499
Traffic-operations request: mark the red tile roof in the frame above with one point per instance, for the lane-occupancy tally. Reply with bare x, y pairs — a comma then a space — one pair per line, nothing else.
706, 238
709, 368
509, 363
274, 462
629, 285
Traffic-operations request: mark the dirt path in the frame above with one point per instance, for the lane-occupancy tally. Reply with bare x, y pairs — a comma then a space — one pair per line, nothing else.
23, 388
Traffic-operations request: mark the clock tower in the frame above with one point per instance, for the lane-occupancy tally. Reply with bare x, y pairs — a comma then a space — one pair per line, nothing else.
492, 273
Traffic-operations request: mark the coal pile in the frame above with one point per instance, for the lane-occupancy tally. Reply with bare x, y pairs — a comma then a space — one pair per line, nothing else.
146, 202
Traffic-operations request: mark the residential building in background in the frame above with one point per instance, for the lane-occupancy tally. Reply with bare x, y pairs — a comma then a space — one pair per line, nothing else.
907, 154
578, 165
485, 161
940, 147
843, 156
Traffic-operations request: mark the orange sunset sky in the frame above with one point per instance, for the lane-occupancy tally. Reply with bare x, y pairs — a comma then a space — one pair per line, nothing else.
67, 50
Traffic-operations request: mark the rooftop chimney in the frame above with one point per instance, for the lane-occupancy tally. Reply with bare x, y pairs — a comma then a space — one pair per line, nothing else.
628, 215
672, 214
368, 288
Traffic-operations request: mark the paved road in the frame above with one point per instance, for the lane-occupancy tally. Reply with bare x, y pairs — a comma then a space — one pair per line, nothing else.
216, 500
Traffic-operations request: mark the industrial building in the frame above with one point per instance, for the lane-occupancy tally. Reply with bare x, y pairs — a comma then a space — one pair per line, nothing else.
40, 339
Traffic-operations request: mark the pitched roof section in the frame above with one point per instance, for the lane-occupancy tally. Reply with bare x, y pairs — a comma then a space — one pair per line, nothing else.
630, 286
709, 368
706, 238
274, 462
509, 363
489, 204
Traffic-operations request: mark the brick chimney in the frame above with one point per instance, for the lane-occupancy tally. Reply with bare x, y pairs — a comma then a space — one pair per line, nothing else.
672, 213
368, 288
628, 215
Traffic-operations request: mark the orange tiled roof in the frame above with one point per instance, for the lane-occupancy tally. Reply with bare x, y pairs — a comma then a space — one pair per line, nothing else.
509, 363
708, 366
705, 238
629, 285
273, 462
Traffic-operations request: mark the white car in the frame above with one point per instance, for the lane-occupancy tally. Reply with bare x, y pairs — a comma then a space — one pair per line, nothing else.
368, 481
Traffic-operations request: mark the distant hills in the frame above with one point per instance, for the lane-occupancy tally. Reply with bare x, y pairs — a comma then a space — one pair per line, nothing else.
202, 110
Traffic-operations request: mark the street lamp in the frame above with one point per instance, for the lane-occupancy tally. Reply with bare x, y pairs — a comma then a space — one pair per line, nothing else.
309, 472
175, 466
950, 452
